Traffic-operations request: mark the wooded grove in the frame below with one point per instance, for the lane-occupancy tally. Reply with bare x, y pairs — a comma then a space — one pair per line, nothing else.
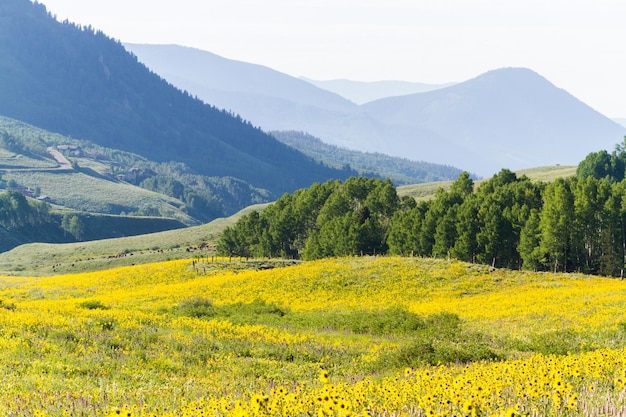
571, 224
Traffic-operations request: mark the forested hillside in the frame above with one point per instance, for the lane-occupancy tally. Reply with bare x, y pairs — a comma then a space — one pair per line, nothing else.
573, 224
78, 82
399, 170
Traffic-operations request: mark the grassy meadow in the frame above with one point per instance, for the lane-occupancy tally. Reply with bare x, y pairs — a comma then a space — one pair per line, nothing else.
384, 336
425, 191
67, 188
48, 258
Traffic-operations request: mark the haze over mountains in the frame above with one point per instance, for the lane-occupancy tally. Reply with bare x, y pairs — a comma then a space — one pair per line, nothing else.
268, 98
141, 149
361, 92
507, 118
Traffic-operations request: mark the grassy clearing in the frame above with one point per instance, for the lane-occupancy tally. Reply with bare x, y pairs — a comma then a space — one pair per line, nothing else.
12, 160
548, 174
425, 191
67, 188
46, 259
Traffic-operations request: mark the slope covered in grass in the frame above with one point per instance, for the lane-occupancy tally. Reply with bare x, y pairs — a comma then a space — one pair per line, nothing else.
426, 191
48, 258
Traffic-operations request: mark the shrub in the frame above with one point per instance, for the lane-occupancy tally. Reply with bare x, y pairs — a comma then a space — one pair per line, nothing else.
196, 307
393, 320
559, 342
93, 305
442, 340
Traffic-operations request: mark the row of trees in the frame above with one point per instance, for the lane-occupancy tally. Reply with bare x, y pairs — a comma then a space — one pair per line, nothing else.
331, 219
574, 224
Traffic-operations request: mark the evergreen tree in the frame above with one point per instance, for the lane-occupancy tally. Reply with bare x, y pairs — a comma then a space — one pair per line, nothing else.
446, 232
404, 231
494, 233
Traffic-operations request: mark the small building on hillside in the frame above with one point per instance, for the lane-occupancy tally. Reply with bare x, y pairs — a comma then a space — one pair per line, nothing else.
73, 150
45, 199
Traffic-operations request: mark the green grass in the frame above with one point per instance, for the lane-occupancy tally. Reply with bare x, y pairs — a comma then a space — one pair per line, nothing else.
11, 160
83, 192
426, 191
48, 259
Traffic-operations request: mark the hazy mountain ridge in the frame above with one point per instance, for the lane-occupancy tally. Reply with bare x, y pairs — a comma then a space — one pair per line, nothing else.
400, 170
361, 92
276, 104
534, 122
223, 74
506, 118
270, 99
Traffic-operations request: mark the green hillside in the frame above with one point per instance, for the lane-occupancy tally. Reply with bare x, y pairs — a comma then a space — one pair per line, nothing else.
90, 227
46, 258
103, 180
98, 255
78, 82
84, 192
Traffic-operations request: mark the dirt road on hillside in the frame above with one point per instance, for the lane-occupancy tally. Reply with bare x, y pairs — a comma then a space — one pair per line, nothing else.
60, 158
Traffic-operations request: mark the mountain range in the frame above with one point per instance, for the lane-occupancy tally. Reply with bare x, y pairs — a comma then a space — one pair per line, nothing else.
506, 118
122, 148
120, 151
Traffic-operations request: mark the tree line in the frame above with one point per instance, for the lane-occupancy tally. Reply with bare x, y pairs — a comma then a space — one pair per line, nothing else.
331, 219
570, 224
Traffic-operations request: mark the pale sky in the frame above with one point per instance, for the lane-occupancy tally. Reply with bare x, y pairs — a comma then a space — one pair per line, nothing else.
579, 45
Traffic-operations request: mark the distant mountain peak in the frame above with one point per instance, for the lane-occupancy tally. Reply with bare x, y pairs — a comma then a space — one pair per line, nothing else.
505, 118
510, 78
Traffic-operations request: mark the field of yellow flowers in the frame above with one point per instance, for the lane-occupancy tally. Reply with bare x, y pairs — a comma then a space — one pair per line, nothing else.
384, 336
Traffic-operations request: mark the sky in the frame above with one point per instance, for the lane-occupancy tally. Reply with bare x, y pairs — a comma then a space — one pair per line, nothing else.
578, 45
